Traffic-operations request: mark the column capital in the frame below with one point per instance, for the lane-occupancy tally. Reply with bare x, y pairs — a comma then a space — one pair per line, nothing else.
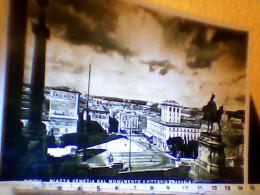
41, 30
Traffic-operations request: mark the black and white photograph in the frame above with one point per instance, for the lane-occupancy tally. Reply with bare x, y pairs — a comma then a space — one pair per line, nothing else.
117, 89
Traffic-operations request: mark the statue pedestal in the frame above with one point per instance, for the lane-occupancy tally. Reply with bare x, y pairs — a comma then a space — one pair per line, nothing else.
210, 162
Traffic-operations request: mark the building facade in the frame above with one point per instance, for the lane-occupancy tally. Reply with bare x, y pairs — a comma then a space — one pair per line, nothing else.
128, 122
63, 112
60, 110
172, 123
171, 112
101, 115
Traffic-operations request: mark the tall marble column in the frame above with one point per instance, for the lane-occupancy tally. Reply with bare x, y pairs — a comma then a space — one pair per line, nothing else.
41, 33
15, 54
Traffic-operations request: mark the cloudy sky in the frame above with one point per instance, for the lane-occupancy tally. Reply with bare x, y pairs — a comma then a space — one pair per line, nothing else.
140, 53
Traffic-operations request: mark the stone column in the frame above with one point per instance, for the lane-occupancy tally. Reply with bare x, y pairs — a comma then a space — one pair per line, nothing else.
41, 33
12, 142
36, 153
179, 115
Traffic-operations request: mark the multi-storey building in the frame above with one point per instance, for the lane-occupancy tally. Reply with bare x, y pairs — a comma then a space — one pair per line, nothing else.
173, 122
128, 122
101, 115
63, 111
171, 112
60, 109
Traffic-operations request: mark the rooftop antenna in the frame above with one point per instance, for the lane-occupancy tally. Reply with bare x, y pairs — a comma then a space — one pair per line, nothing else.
130, 130
130, 140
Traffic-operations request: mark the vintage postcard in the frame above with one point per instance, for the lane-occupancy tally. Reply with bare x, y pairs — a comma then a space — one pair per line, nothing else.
117, 90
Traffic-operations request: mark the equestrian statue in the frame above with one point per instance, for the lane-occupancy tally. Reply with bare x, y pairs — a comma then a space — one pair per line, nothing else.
212, 115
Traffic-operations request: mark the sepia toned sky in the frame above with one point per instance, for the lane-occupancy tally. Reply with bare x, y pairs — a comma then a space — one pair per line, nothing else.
139, 53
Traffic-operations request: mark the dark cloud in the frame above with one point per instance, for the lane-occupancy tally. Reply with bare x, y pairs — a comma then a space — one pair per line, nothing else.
202, 43
207, 44
240, 98
163, 71
94, 22
164, 66
235, 43
232, 81
201, 56
88, 22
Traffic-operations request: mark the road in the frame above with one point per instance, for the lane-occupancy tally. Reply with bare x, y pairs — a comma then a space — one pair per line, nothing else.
163, 161
143, 156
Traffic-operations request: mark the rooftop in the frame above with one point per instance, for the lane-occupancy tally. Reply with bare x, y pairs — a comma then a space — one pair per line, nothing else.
170, 103
172, 124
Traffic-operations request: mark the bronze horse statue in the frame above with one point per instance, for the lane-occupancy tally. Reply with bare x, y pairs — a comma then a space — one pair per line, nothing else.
212, 115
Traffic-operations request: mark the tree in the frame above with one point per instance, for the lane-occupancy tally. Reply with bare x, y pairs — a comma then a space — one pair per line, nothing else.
113, 125
176, 146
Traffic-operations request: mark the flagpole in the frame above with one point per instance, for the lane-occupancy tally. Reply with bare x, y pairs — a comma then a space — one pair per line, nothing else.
89, 75
130, 149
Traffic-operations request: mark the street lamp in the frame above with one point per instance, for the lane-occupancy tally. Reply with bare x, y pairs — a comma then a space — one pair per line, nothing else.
130, 141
